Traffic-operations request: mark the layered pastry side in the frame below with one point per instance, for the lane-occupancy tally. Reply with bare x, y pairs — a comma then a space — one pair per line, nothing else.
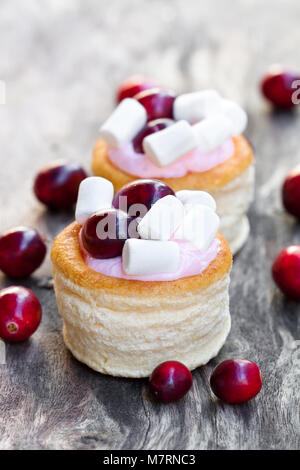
137, 289
194, 143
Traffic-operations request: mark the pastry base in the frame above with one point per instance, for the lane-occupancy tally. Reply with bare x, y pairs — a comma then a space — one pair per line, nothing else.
233, 201
126, 327
240, 238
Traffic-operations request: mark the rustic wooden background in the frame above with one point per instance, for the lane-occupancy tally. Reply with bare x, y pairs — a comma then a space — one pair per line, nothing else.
61, 61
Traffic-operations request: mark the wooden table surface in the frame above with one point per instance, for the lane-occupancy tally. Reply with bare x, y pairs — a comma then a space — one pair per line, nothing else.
61, 61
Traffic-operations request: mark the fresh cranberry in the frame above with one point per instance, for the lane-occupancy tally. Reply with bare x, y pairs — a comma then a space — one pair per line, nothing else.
133, 85
150, 128
145, 192
158, 104
286, 271
236, 380
105, 232
22, 251
20, 313
291, 192
277, 87
57, 185
170, 381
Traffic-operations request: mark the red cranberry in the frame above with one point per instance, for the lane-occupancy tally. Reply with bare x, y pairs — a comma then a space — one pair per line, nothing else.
236, 380
22, 251
105, 232
150, 128
133, 85
20, 313
158, 104
170, 381
291, 192
277, 87
145, 192
57, 185
286, 271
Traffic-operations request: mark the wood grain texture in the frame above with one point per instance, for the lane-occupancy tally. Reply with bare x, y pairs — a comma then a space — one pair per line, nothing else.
61, 61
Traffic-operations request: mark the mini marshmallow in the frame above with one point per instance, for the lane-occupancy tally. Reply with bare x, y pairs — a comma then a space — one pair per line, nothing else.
189, 197
166, 146
162, 219
150, 257
127, 120
195, 106
200, 226
236, 114
212, 132
95, 193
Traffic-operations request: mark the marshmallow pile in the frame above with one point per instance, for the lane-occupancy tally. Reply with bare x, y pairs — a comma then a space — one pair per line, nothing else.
203, 121
190, 216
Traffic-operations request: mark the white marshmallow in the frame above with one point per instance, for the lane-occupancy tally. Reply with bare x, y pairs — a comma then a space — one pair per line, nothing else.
236, 114
198, 105
192, 197
166, 146
150, 257
125, 123
95, 193
200, 226
212, 132
162, 219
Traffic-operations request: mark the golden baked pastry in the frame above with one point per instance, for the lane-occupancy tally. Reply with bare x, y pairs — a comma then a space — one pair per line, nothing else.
126, 327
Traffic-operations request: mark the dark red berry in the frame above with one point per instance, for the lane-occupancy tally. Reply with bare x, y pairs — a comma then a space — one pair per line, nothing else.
22, 251
236, 380
133, 85
57, 185
20, 313
158, 104
291, 192
286, 271
145, 192
105, 232
150, 128
279, 86
170, 381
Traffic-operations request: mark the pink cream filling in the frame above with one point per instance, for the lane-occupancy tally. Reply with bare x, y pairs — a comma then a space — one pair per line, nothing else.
138, 164
192, 262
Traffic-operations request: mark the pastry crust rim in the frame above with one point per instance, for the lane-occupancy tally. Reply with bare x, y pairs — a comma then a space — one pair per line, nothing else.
66, 257
209, 180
